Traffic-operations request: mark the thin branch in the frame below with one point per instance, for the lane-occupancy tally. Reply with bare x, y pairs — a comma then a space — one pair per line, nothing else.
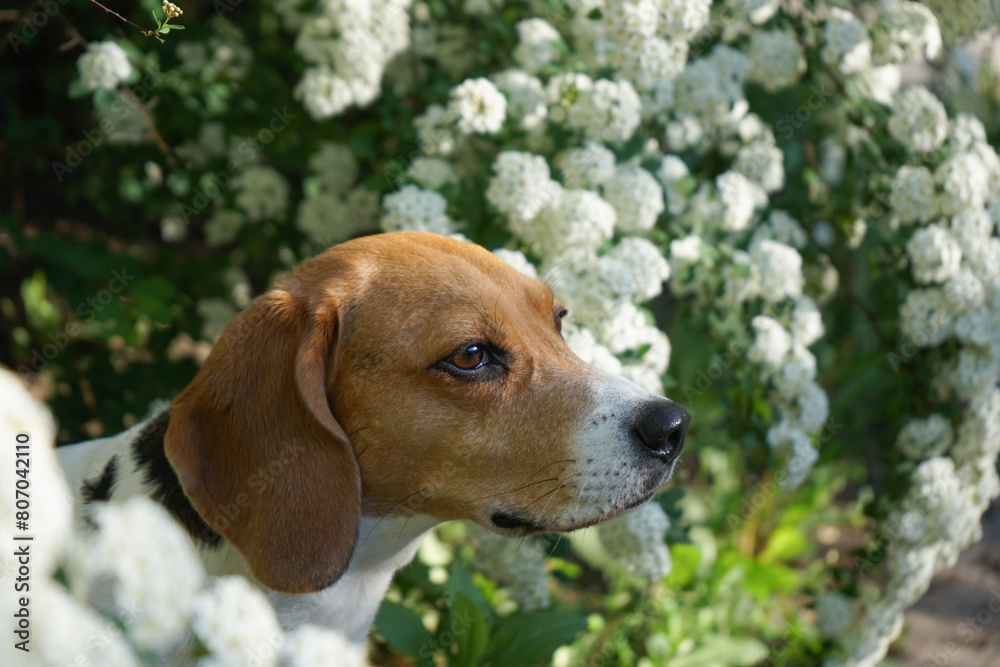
148, 33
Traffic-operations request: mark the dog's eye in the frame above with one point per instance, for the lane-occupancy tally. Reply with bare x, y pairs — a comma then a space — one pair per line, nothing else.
470, 358
560, 314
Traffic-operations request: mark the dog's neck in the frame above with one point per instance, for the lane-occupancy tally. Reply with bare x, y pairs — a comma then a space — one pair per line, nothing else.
134, 463
384, 546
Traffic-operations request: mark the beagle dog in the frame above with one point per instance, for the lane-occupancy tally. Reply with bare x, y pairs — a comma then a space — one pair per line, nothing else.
391, 383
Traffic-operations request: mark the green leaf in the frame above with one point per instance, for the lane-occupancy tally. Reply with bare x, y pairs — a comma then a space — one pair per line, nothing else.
471, 629
763, 580
404, 630
163, 30
784, 544
525, 638
177, 27
686, 558
729, 651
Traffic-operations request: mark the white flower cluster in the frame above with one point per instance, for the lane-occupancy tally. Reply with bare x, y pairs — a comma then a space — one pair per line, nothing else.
647, 39
777, 60
349, 43
638, 541
136, 585
919, 120
262, 193
416, 210
477, 107
910, 32
103, 65
954, 253
537, 44
152, 565
848, 46
518, 565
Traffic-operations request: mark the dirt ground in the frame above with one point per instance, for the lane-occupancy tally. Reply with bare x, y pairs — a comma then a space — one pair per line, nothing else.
957, 623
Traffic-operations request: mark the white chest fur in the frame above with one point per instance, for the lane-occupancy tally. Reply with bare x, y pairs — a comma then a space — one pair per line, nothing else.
384, 546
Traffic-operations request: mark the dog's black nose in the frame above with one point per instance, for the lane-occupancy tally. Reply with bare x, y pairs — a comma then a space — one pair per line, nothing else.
661, 428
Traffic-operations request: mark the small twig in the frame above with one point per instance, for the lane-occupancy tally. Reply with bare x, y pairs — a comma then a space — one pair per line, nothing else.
150, 127
139, 28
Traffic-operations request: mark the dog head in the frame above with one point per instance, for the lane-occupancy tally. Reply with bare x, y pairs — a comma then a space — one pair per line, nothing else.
409, 373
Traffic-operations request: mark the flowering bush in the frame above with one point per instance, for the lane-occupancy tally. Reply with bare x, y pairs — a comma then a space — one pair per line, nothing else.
785, 216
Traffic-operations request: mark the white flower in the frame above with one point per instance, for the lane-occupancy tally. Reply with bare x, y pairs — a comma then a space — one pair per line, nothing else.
536, 45
975, 372
964, 182
634, 268
741, 279
776, 59
965, 131
431, 173
677, 183
67, 633
606, 110
563, 93
103, 65
323, 93
712, 88
650, 62
791, 438
922, 439
911, 33
847, 47
329, 219
739, 199
762, 162
781, 227
236, 623
934, 254
814, 407
685, 251
586, 167
585, 346
638, 540
919, 120
313, 646
971, 228
913, 195
477, 106
575, 221
517, 260
807, 324
27, 422
521, 186
335, 167
925, 318
435, 131
636, 197
417, 210
154, 566
525, 97
771, 343
262, 193
962, 19
834, 614
780, 268
517, 564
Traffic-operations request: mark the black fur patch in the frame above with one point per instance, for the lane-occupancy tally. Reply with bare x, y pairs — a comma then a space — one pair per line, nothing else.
151, 461
99, 488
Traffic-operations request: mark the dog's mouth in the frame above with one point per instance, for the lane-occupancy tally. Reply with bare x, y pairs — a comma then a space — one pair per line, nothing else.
514, 522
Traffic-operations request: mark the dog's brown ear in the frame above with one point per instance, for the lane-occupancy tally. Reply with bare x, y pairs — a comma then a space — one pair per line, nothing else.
258, 451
